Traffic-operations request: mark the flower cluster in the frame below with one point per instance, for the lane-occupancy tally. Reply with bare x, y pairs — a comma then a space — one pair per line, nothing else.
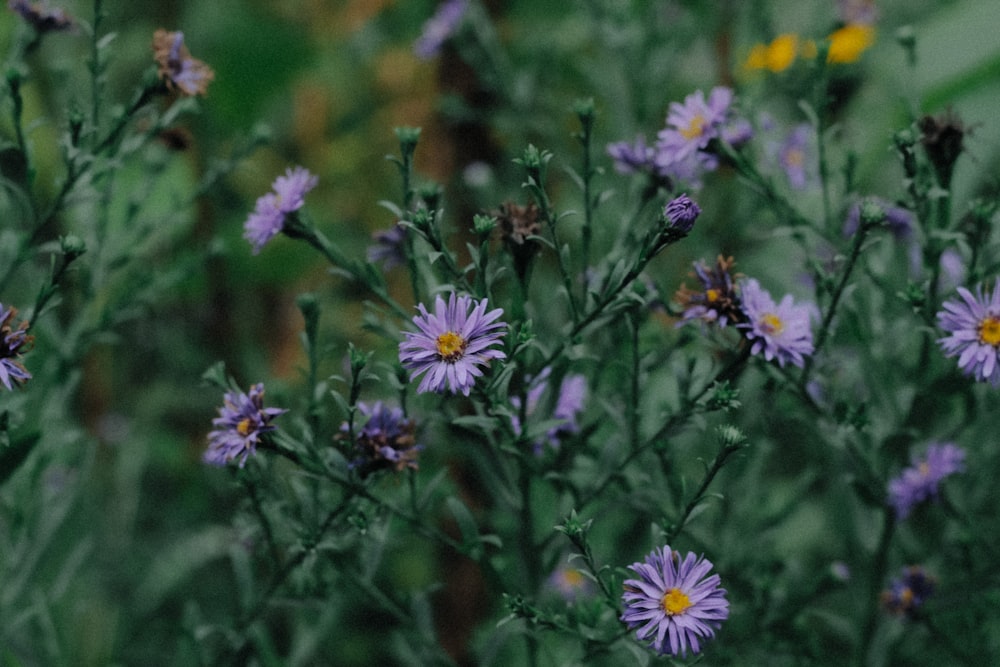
568, 404
242, 421
920, 481
846, 44
452, 343
973, 325
907, 593
271, 210
673, 603
14, 341
385, 441
177, 69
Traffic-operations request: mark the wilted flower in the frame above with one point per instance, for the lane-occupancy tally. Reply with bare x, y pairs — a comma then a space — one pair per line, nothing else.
41, 17
268, 217
779, 331
681, 212
452, 343
920, 481
177, 69
517, 222
672, 603
718, 302
241, 422
909, 592
388, 247
439, 28
568, 404
974, 327
14, 341
942, 138
385, 441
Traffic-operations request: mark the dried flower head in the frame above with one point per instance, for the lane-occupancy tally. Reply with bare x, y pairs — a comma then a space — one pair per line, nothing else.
385, 441
909, 591
673, 603
517, 222
14, 341
177, 69
718, 301
942, 137
242, 421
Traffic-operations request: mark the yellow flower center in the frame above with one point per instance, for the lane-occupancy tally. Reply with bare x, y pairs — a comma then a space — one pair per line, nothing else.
772, 324
572, 578
451, 346
989, 331
794, 157
243, 428
695, 128
712, 295
675, 602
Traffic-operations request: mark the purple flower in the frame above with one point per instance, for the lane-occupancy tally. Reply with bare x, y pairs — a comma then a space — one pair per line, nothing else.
268, 217
899, 220
920, 481
387, 248
41, 17
568, 404
681, 212
718, 302
673, 603
974, 327
795, 156
570, 583
632, 158
439, 28
452, 343
779, 331
909, 592
177, 69
385, 441
680, 147
14, 341
241, 421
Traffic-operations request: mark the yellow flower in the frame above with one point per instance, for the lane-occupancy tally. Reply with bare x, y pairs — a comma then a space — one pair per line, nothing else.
848, 43
782, 51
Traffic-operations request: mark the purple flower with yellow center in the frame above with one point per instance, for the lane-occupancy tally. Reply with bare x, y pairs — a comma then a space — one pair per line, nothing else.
691, 125
795, 156
973, 325
241, 422
452, 343
673, 603
718, 302
921, 480
385, 441
909, 591
571, 583
681, 212
271, 210
778, 331
568, 405
439, 28
177, 69
41, 17
14, 341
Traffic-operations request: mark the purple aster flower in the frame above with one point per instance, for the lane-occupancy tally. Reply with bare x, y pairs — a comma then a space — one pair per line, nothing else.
14, 341
737, 132
268, 217
632, 158
680, 147
779, 331
241, 421
387, 248
41, 17
177, 69
452, 343
570, 583
920, 481
439, 28
974, 327
718, 302
795, 156
673, 603
681, 212
385, 441
568, 405
909, 592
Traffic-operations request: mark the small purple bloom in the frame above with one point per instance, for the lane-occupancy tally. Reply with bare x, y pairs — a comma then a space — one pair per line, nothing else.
920, 481
385, 441
41, 17
452, 343
681, 212
268, 217
14, 341
909, 592
974, 327
673, 603
632, 158
899, 220
718, 302
177, 69
387, 248
680, 147
737, 132
571, 583
779, 331
439, 28
795, 155
241, 422
568, 404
